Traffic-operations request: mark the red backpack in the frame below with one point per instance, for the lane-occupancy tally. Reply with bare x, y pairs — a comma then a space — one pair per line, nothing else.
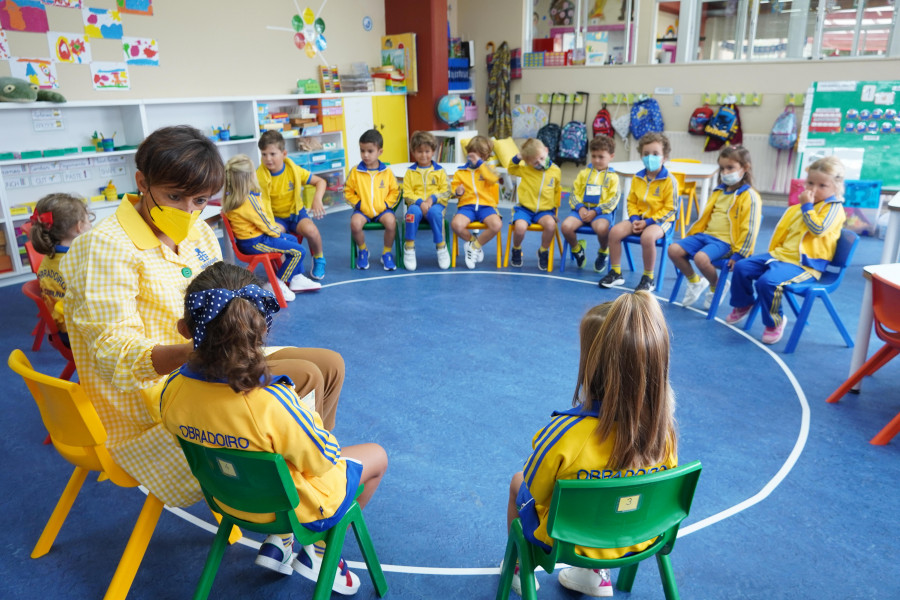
603, 123
699, 119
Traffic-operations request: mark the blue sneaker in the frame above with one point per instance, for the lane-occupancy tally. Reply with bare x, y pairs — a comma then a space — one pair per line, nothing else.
387, 259
362, 259
318, 270
273, 555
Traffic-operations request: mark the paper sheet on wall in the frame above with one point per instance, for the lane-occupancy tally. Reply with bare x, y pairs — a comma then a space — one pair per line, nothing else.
24, 15
140, 51
110, 76
137, 7
4, 46
102, 23
38, 71
66, 3
69, 47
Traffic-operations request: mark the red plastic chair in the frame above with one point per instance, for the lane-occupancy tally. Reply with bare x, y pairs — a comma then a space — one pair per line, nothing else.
885, 300
270, 261
32, 289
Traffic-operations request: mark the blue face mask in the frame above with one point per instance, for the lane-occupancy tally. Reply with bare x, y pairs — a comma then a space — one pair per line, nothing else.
652, 161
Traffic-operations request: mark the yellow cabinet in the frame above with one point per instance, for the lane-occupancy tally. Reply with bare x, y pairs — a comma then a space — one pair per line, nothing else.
390, 120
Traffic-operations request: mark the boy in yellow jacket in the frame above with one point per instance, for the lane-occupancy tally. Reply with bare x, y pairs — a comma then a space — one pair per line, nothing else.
475, 184
539, 194
426, 191
372, 191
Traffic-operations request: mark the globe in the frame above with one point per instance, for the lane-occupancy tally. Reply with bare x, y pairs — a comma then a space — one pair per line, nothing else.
450, 109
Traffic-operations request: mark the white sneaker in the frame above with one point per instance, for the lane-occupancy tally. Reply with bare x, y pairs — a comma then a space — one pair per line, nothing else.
289, 296
409, 259
692, 294
273, 555
471, 256
443, 258
707, 300
308, 564
479, 254
302, 283
593, 582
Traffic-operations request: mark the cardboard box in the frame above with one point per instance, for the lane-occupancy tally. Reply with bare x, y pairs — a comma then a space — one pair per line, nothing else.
5, 262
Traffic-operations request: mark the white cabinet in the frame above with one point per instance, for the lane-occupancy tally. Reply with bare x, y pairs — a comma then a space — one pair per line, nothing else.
450, 149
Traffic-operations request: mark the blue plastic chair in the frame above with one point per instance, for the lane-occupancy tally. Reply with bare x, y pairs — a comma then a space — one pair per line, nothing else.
821, 288
566, 254
662, 254
724, 272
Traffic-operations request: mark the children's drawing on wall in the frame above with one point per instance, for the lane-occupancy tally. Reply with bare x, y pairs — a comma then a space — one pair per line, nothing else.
137, 7
140, 51
4, 46
39, 71
24, 15
69, 47
110, 76
308, 31
64, 3
102, 23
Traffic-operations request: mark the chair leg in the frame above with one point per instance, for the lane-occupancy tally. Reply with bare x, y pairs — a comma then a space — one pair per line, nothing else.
667, 574
627, 252
60, 512
213, 560
837, 320
563, 256
368, 551
625, 580
526, 572
353, 250
334, 544
68, 371
509, 236
884, 354
454, 251
717, 297
510, 558
235, 535
886, 435
679, 277
752, 316
273, 281
135, 549
500, 247
663, 252
802, 318
38, 333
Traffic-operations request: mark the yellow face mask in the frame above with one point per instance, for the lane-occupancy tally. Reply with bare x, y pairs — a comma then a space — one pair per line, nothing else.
172, 221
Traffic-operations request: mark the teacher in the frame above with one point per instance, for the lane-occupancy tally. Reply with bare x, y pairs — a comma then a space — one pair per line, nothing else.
126, 280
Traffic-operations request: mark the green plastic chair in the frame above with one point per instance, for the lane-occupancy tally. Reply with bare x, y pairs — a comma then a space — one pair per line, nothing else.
607, 513
377, 226
259, 482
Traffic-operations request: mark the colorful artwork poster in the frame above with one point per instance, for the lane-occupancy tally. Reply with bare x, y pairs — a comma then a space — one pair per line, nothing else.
137, 7
140, 51
69, 47
110, 76
24, 15
39, 71
64, 3
4, 46
102, 23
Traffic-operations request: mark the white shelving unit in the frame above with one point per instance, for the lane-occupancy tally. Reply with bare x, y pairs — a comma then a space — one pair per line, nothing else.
459, 153
40, 127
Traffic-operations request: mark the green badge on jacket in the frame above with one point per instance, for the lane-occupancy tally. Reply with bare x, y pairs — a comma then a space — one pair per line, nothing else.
186, 271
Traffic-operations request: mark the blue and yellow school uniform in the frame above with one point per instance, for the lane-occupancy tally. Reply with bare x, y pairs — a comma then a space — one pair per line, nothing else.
371, 192
653, 200
568, 448
284, 190
266, 419
728, 226
481, 191
802, 245
256, 232
539, 191
53, 288
595, 190
420, 184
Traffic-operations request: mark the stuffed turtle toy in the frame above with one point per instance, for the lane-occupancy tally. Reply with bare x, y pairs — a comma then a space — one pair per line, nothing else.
19, 90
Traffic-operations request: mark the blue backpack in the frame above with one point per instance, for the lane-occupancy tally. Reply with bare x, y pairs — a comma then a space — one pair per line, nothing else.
724, 125
574, 138
784, 132
645, 118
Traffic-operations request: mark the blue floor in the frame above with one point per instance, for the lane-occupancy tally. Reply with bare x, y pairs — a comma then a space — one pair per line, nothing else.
453, 372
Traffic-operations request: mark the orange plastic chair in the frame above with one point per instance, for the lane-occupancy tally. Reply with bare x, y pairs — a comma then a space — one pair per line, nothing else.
34, 261
476, 225
270, 261
32, 289
532, 227
885, 300
79, 437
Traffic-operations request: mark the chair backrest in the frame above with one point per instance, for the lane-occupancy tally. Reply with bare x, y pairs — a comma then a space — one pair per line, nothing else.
74, 426
843, 254
253, 482
32, 289
34, 257
885, 303
243, 257
620, 512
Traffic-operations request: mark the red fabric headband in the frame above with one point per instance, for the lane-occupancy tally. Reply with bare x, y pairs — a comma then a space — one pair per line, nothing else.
44, 218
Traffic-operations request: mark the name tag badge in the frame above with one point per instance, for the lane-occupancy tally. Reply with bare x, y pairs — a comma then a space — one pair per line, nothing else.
593, 190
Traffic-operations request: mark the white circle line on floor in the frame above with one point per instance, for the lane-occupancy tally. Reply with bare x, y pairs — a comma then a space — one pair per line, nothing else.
758, 497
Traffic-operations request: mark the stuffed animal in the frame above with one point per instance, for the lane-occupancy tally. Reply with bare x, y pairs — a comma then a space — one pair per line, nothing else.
19, 90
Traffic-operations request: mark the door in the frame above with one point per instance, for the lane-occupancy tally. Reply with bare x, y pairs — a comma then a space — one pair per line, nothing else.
390, 119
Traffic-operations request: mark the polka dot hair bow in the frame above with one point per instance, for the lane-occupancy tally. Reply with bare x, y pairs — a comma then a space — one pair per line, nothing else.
206, 305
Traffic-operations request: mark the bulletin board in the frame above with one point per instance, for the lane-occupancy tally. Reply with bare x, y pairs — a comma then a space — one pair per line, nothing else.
857, 121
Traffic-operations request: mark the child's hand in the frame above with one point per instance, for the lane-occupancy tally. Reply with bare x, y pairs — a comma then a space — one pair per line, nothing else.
318, 209
460, 190
638, 226
426, 205
583, 214
280, 227
589, 214
473, 158
806, 196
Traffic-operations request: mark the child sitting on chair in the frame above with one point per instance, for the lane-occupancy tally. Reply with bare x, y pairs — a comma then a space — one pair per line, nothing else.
255, 229
594, 198
475, 185
539, 194
57, 220
226, 387
426, 191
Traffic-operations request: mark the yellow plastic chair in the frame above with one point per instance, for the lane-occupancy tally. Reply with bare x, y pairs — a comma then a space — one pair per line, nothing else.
532, 227
79, 436
476, 225
689, 189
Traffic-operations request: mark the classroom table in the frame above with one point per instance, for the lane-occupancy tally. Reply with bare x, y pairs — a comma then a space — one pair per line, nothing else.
888, 269
700, 172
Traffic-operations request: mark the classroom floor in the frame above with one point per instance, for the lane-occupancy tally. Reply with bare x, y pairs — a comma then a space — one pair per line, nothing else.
453, 372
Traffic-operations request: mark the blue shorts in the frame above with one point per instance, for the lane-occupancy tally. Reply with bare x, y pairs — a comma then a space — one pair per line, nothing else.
529, 517
520, 213
290, 223
354, 474
374, 219
479, 215
608, 217
711, 246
